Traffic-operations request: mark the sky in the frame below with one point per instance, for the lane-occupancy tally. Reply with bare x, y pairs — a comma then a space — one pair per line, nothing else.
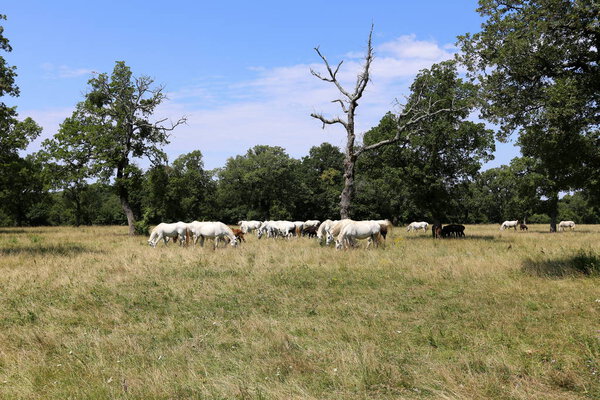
238, 71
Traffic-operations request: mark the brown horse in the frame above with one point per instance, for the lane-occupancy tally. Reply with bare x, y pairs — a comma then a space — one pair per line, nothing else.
523, 227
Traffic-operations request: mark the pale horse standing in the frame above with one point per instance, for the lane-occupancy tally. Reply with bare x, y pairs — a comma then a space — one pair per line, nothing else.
211, 230
509, 224
164, 231
354, 230
415, 226
566, 224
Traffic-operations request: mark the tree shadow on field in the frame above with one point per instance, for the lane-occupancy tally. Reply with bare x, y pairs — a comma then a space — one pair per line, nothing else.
19, 231
68, 249
583, 263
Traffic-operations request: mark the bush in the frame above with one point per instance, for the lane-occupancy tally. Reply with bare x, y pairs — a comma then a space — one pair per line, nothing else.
142, 227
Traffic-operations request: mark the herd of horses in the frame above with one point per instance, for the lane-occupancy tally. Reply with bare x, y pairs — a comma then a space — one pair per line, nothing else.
343, 233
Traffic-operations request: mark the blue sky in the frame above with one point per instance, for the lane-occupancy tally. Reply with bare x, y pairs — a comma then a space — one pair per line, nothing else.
240, 71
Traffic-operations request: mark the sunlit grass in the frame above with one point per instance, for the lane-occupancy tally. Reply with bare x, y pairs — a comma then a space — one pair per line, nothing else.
93, 313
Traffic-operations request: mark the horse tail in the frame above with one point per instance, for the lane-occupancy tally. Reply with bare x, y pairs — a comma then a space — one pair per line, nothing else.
298, 231
187, 236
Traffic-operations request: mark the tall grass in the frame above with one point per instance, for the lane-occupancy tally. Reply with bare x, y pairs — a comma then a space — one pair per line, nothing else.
92, 313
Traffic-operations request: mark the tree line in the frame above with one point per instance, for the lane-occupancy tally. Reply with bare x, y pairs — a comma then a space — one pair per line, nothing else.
532, 71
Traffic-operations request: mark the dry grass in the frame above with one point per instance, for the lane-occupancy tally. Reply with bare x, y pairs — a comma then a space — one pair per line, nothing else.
92, 313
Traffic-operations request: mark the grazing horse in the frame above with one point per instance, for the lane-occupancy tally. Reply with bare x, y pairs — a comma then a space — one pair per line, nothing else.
566, 224
353, 230
335, 229
523, 227
211, 230
415, 226
509, 224
323, 230
249, 226
164, 231
453, 230
311, 231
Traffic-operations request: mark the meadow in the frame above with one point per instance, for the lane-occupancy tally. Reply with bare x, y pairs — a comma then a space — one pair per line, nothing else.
91, 313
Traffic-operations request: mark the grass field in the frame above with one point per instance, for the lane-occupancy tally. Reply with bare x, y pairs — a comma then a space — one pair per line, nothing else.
91, 313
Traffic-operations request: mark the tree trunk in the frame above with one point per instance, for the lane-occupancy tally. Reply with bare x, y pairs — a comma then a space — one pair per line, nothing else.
124, 198
348, 192
129, 213
553, 210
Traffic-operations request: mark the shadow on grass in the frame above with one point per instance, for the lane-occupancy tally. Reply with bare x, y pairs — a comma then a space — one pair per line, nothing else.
467, 237
19, 231
582, 263
59, 250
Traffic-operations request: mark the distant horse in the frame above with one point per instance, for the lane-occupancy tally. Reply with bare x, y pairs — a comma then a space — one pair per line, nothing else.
523, 227
415, 226
354, 230
164, 231
509, 224
453, 230
566, 224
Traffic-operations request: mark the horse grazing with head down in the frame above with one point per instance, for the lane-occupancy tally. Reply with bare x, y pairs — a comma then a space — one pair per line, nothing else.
523, 227
211, 230
177, 230
415, 226
562, 225
455, 230
354, 230
509, 224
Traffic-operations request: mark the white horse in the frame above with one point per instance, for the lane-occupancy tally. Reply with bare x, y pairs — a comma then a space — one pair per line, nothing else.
509, 224
353, 230
211, 230
285, 228
323, 230
249, 226
415, 226
164, 231
335, 229
566, 224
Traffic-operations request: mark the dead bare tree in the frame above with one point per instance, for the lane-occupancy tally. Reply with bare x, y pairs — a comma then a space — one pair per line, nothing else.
409, 119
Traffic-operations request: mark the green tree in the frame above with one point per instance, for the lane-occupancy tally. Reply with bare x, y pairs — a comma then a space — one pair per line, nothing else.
437, 154
16, 135
321, 182
69, 162
262, 184
115, 121
538, 64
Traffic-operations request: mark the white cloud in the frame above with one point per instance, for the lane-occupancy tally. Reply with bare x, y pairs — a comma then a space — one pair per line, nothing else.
52, 71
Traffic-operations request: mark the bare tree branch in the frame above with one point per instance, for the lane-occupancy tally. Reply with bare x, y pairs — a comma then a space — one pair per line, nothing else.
326, 121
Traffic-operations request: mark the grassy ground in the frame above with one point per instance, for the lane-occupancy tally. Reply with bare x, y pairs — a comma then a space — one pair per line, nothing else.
91, 313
